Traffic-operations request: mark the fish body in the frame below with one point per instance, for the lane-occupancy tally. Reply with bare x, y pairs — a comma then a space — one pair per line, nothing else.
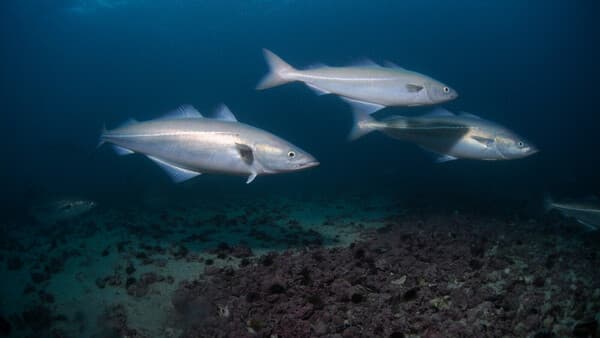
61, 210
586, 212
186, 144
367, 88
464, 136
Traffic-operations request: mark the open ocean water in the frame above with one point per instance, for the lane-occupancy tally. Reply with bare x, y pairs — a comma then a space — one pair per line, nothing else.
378, 240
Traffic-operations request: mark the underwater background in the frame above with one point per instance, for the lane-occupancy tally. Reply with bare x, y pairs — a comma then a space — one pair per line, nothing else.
67, 67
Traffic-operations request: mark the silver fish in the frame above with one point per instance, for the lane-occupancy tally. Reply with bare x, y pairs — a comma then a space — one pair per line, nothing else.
185, 144
367, 88
61, 210
450, 136
585, 211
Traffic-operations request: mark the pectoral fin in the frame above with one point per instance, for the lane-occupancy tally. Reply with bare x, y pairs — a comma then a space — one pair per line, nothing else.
413, 88
484, 140
251, 178
246, 153
122, 151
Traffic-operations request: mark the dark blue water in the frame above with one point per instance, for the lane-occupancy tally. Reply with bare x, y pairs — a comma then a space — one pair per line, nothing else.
67, 69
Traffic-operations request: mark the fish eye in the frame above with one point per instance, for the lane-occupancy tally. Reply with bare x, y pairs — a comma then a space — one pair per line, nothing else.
446, 90
291, 154
521, 144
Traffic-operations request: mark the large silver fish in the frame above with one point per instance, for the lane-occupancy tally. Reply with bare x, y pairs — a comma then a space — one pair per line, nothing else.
451, 136
585, 211
367, 88
185, 144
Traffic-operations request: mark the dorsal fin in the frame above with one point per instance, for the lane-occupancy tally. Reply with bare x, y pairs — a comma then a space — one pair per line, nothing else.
186, 111
390, 64
223, 113
439, 112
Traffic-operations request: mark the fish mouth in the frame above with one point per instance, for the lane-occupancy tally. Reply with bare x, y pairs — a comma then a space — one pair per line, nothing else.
532, 150
309, 164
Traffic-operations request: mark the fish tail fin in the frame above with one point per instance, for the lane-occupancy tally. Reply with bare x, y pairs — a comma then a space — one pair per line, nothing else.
363, 124
278, 70
101, 138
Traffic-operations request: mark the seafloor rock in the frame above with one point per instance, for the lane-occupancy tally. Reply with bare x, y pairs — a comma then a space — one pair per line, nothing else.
113, 323
241, 251
178, 251
446, 275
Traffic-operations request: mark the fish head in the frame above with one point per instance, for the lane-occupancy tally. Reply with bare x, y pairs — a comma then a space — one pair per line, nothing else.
512, 146
439, 92
278, 156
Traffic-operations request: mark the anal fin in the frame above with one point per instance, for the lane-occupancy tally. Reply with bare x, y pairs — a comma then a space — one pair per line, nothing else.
177, 174
122, 151
445, 158
588, 226
317, 90
362, 106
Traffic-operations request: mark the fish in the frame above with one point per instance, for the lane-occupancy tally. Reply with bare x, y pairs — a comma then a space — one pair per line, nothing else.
186, 144
367, 87
63, 209
449, 136
586, 211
